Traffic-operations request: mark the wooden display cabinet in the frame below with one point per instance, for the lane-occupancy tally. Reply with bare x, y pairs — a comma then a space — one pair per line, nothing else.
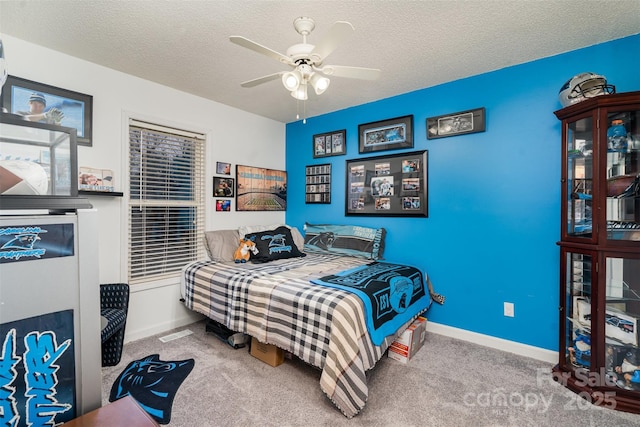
600, 251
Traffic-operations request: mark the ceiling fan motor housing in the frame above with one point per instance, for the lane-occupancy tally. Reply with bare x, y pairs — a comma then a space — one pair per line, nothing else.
300, 51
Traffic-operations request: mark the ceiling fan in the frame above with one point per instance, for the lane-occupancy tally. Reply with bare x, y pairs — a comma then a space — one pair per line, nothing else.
307, 60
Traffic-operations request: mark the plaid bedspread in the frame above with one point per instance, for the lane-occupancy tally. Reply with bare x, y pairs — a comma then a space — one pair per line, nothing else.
277, 304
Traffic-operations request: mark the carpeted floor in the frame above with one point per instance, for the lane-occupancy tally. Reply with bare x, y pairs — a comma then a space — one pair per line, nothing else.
448, 383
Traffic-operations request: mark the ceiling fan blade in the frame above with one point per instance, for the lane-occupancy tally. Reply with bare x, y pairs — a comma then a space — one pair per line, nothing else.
244, 42
351, 72
260, 80
336, 35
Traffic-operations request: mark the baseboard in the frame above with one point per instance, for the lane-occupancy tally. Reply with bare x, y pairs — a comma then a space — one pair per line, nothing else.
437, 328
493, 342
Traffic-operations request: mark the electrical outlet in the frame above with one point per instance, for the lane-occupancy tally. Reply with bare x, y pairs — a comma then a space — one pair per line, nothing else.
509, 309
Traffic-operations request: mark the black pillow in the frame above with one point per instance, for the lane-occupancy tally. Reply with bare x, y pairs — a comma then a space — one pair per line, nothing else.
273, 245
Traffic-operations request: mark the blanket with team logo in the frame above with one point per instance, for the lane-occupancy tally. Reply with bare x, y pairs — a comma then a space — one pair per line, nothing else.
393, 294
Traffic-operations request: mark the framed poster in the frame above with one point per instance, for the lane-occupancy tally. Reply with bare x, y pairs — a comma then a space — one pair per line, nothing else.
260, 189
223, 205
223, 168
329, 144
464, 122
223, 187
318, 183
391, 134
49, 104
394, 185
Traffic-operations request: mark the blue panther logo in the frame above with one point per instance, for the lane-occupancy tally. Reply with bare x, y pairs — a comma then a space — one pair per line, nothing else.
22, 241
153, 383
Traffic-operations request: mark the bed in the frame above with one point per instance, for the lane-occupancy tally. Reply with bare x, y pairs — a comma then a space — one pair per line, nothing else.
278, 303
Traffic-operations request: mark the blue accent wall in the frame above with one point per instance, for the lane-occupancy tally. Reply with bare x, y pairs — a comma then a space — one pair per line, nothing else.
494, 197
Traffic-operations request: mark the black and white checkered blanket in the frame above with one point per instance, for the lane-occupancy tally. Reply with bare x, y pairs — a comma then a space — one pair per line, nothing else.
277, 304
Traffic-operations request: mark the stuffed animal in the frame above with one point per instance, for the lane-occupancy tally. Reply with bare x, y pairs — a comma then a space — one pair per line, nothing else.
242, 253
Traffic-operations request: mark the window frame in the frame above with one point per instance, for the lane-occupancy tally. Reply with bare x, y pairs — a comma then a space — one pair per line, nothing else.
198, 201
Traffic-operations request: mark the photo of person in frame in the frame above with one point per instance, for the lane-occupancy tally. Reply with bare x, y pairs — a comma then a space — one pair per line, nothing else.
223, 168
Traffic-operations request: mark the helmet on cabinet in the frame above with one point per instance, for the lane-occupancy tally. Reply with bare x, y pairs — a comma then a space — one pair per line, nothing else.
583, 86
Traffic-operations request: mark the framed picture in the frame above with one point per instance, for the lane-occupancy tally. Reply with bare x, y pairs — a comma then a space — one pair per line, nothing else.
470, 121
329, 144
391, 134
50, 104
394, 185
223, 205
318, 183
223, 168
223, 187
260, 189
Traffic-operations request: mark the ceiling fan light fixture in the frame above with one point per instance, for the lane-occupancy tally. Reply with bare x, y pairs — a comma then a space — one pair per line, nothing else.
319, 83
300, 93
291, 80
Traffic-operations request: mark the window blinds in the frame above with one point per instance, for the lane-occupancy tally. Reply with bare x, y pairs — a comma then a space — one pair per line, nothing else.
166, 201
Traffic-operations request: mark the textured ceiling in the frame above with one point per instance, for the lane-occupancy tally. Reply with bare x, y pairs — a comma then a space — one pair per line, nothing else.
416, 44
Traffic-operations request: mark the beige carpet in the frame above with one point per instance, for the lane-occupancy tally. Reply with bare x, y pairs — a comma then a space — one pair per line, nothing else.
448, 383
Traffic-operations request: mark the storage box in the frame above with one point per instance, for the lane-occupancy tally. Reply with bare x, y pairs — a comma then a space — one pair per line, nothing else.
409, 342
269, 354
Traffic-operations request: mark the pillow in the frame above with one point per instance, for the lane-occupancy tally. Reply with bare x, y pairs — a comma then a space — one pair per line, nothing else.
221, 244
273, 245
297, 236
243, 230
351, 240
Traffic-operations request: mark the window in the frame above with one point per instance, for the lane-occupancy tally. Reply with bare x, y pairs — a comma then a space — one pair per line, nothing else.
166, 201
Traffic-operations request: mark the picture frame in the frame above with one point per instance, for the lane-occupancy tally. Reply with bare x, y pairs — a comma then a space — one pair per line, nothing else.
223, 187
76, 108
223, 168
390, 134
260, 189
460, 123
330, 144
391, 185
223, 205
318, 183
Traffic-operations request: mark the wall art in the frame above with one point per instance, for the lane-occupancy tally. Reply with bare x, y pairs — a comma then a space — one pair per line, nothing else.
49, 104
318, 183
464, 122
223, 205
394, 185
391, 134
223, 187
223, 168
329, 144
260, 189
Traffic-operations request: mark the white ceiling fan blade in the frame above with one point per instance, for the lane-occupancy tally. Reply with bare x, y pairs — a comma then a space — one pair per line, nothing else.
244, 42
338, 33
351, 72
260, 80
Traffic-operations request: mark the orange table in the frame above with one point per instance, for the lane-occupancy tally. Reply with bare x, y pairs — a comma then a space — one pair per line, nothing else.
123, 412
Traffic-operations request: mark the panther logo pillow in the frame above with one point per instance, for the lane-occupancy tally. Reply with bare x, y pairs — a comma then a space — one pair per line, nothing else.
273, 245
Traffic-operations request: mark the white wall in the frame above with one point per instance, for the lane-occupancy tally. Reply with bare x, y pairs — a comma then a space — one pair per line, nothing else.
153, 308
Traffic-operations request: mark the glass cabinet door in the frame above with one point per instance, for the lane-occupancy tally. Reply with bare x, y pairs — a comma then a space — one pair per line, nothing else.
621, 321
623, 182
579, 177
578, 310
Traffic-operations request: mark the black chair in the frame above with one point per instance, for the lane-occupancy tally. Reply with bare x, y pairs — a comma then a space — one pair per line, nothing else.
114, 305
